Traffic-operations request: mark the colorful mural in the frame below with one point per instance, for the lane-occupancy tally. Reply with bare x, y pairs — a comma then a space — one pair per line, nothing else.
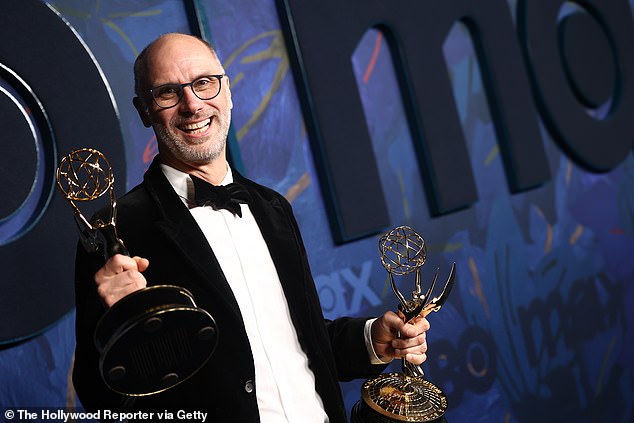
540, 326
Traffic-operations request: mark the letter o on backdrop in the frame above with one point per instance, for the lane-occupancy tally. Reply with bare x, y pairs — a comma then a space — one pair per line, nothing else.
53, 99
581, 63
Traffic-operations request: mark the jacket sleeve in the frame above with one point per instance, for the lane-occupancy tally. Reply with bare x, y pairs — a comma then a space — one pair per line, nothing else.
348, 345
91, 390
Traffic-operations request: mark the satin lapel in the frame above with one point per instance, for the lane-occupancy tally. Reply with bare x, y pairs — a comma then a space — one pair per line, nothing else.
281, 241
180, 227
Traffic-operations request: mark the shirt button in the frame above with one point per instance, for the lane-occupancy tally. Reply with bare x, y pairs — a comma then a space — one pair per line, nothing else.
248, 386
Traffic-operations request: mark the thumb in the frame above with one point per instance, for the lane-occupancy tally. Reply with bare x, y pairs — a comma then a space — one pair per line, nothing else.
142, 263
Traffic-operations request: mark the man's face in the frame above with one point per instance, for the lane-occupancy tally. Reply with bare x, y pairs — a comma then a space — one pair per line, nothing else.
194, 132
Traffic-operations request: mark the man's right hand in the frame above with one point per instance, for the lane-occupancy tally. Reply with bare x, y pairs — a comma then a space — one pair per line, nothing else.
120, 276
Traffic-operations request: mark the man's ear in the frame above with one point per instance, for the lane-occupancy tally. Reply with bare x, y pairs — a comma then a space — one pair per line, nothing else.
230, 101
143, 110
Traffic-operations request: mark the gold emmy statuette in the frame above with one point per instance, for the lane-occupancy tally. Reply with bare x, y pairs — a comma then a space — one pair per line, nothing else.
154, 338
406, 396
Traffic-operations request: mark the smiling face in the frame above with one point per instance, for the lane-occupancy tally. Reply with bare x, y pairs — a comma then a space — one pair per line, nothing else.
194, 132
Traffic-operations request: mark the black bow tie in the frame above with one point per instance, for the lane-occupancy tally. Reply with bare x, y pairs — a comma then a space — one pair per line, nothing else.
227, 197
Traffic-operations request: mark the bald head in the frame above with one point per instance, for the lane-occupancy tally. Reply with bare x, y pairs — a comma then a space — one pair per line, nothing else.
191, 133
144, 59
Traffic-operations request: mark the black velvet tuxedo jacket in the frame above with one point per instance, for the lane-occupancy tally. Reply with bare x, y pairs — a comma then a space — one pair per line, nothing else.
154, 223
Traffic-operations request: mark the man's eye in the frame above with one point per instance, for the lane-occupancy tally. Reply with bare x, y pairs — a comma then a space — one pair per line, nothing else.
168, 91
203, 83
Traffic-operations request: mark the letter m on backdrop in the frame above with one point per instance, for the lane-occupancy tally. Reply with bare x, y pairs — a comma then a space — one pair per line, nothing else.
322, 36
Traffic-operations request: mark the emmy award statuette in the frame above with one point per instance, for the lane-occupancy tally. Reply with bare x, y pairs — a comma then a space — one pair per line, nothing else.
154, 338
406, 396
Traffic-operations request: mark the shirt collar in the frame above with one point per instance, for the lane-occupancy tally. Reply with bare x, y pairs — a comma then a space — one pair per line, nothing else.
182, 183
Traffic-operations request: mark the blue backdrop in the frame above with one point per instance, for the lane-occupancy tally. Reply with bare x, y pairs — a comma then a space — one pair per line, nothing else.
540, 326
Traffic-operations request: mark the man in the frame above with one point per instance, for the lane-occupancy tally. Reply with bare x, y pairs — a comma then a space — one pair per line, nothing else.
277, 359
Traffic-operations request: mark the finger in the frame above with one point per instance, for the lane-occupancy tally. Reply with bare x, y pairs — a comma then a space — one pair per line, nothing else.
415, 350
416, 358
392, 320
112, 297
383, 328
404, 343
119, 263
422, 323
128, 279
415, 327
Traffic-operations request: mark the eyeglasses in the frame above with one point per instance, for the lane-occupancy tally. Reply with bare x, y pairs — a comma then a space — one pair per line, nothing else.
169, 95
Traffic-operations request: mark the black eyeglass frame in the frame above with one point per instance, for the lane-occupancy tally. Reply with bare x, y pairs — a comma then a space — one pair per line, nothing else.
181, 91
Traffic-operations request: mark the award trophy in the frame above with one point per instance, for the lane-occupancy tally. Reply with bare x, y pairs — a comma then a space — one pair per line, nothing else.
406, 396
154, 338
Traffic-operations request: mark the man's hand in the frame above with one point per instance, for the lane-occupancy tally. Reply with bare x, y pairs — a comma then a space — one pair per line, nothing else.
120, 276
412, 343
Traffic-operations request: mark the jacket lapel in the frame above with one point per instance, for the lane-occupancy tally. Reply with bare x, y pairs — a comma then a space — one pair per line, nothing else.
180, 227
281, 239
273, 220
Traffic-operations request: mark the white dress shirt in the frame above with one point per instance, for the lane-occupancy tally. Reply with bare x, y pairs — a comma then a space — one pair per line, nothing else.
284, 384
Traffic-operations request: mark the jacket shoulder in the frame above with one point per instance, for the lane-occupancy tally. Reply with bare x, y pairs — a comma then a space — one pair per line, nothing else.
265, 192
138, 194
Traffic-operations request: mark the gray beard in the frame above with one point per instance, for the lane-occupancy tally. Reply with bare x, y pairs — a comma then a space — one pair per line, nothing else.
184, 152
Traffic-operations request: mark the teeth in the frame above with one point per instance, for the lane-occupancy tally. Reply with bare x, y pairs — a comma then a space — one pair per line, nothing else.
196, 127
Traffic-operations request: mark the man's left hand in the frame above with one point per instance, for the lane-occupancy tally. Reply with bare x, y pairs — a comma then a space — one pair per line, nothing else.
411, 344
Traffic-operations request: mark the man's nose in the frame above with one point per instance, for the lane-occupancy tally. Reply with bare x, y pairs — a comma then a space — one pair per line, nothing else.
190, 102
